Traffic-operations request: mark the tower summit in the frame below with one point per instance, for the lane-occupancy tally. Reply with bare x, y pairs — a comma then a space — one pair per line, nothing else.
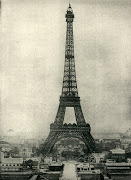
69, 15
69, 98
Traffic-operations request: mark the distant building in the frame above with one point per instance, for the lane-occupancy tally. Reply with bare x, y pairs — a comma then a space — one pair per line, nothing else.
126, 139
127, 135
107, 137
73, 146
11, 139
48, 160
4, 144
25, 152
5, 147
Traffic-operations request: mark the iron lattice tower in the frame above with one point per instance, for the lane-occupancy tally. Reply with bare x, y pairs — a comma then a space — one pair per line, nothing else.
69, 98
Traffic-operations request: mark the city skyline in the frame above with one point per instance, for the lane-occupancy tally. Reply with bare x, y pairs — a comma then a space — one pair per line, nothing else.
33, 49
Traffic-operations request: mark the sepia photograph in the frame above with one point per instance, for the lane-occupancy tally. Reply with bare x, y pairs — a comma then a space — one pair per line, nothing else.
65, 74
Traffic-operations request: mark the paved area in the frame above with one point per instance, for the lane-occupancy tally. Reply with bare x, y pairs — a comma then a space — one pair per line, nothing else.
69, 172
33, 177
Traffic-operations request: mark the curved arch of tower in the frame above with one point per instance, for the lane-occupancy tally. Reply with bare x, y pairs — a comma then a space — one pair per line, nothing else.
69, 98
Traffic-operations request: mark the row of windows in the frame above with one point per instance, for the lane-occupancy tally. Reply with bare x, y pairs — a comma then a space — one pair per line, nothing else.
11, 164
9, 169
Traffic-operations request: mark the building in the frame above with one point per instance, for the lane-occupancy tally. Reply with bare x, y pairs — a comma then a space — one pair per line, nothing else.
11, 164
4, 144
98, 157
128, 151
25, 152
5, 148
118, 154
126, 139
107, 141
127, 135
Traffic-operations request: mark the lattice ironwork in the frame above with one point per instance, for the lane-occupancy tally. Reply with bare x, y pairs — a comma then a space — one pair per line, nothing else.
69, 80
60, 115
69, 98
79, 115
56, 135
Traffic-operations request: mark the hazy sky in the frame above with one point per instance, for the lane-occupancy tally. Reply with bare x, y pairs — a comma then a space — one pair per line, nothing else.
33, 47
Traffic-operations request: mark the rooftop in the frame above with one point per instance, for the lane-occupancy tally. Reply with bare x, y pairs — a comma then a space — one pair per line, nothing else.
11, 160
118, 151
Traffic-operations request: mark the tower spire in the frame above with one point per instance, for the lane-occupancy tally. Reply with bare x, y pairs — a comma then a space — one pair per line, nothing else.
69, 4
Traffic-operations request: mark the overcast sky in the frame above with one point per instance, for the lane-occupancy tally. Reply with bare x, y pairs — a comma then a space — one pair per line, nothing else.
33, 47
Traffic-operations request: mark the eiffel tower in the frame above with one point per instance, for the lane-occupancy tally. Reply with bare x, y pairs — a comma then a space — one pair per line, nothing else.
69, 98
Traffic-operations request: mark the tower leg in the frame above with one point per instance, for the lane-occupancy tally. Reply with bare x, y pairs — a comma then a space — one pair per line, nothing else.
49, 143
79, 115
60, 115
